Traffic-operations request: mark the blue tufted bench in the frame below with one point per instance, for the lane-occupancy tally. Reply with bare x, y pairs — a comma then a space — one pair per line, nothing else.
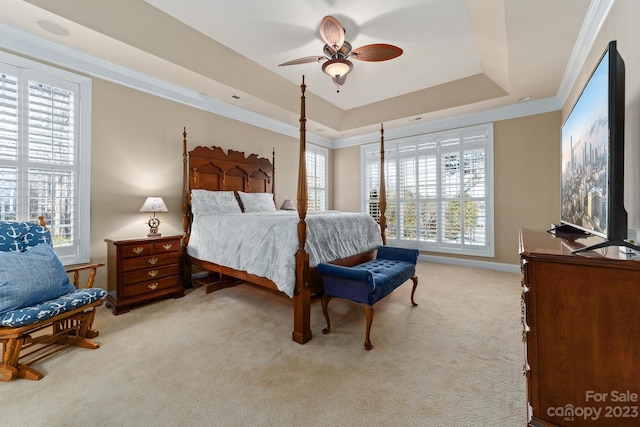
369, 282
37, 296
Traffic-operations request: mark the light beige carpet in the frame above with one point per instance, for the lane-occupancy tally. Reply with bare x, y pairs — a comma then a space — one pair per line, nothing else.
227, 359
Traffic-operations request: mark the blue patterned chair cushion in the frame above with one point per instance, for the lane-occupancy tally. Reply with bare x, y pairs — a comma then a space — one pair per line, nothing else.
17, 236
48, 309
31, 277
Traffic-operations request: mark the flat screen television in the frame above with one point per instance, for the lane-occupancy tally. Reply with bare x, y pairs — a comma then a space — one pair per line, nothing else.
592, 195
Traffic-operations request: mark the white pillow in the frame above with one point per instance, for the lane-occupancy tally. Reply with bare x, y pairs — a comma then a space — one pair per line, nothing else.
257, 202
214, 202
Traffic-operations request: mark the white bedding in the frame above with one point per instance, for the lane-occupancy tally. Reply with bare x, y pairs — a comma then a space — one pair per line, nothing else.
264, 244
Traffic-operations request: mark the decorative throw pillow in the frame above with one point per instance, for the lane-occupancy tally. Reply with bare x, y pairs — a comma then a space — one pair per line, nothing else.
257, 202
16, 236
31, 277
213, 202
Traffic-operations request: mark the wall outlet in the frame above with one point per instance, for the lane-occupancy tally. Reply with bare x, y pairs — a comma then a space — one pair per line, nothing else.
632, 236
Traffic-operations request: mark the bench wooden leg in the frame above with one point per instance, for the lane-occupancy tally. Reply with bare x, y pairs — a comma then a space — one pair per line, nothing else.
413, 291
28, 373
325, 302
368, 310
10, 355
10, 367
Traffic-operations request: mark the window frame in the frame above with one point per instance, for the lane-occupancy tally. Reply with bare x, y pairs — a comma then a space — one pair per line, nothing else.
79, 250
393, 175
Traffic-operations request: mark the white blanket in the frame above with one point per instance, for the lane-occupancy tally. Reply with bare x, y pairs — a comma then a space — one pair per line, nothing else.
265, 244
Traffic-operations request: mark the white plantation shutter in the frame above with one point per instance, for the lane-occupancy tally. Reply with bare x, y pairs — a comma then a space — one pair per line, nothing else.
371, 190
439, 190
8, 143
316, 163
41, 145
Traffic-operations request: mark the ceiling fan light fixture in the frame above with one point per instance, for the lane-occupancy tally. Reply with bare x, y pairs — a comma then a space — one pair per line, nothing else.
337, 67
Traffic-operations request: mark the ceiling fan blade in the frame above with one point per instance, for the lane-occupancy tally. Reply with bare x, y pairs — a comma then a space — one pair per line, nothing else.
340, 80
332, 32
376, 52
305, 60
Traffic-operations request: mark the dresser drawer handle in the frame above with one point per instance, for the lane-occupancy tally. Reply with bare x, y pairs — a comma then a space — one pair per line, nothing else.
167, 246
152, 261
138, 250
153, 273
153, 286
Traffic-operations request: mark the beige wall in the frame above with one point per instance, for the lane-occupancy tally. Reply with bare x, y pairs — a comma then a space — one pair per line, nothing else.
347, 179
526, 180
137, 152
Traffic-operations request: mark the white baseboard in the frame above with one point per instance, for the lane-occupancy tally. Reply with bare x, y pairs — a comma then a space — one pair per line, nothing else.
508, 268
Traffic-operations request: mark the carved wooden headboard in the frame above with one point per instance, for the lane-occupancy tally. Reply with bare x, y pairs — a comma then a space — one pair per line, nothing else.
210, 168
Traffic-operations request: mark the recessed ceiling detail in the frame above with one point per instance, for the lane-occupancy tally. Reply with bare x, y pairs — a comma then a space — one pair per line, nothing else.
53, 28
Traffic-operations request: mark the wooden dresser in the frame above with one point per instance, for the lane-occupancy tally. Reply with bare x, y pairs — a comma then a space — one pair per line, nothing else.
580, 314
140, 270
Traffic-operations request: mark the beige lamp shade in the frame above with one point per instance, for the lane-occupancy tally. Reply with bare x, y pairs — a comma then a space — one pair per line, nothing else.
154, 204
288, 205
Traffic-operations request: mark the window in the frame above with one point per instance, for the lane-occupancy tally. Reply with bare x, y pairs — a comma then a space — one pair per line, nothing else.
316, 158
44, 151
439, 190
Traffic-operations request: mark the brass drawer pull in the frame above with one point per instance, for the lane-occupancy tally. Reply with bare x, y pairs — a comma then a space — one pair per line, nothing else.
138, 250
153, 273
167, 246
153, 286
152, 261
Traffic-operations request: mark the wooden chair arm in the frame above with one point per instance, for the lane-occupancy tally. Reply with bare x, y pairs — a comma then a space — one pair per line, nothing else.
92, 273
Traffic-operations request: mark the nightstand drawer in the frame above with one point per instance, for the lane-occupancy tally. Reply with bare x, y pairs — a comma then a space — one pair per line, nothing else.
150, 261
150, 274
166, 246
150, 287
137, 249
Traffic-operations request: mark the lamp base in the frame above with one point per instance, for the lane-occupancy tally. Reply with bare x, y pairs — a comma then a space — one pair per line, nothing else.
153, 223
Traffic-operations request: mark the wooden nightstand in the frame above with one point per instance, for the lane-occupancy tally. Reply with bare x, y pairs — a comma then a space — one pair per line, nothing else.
140, 270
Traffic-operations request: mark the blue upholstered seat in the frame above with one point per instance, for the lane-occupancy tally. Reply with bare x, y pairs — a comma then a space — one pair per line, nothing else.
47, 309
369, 282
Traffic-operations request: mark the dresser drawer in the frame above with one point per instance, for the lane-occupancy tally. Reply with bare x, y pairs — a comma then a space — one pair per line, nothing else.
150, 287
149, 261
137, 249
150, 274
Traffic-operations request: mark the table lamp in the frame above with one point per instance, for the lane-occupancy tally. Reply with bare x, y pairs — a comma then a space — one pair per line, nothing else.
154, 204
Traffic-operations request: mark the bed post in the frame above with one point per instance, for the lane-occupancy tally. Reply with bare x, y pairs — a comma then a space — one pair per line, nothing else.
186, 267
302, 293
383, 191
273, 175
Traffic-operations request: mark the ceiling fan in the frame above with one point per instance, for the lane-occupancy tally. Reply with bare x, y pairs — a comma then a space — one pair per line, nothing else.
338, 51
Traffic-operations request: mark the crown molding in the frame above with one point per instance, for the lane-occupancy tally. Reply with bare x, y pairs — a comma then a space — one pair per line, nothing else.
502, 113
596, 14
24, 43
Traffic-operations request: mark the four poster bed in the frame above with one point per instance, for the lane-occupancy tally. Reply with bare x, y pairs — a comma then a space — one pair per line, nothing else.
279, 249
